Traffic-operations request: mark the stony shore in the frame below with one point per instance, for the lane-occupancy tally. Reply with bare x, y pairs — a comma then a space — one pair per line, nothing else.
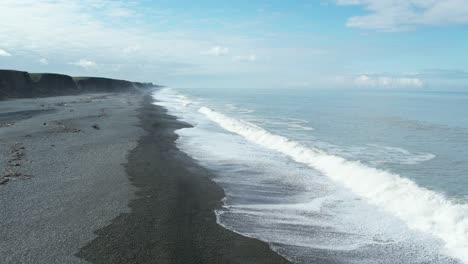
97, 178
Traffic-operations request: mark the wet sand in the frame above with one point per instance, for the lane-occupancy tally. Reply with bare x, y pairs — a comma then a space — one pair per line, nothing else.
100, 180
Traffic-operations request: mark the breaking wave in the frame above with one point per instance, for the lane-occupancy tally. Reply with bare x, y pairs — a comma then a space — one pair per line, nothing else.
419, 208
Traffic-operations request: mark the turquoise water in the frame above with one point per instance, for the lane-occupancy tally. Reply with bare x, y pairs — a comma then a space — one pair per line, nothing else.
336, 176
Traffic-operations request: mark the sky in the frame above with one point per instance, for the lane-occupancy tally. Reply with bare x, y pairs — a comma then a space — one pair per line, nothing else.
375, 44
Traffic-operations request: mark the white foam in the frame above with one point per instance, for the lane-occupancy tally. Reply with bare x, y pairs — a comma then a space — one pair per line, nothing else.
314, 205
398, 155
378, 154
419, 208
288, 123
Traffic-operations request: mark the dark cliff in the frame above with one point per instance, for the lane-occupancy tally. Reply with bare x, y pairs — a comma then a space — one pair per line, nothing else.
51, 84
15, 84
95, 84
18, 84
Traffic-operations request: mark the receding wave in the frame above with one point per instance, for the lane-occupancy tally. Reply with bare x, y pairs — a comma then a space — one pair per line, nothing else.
421, 209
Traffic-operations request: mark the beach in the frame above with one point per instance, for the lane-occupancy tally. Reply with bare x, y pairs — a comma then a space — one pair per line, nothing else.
195, 132
97, 178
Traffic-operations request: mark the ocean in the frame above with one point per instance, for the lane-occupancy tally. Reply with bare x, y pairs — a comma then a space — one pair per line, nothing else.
336, 176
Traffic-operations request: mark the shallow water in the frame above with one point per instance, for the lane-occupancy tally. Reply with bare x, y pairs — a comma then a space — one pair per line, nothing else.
341, 176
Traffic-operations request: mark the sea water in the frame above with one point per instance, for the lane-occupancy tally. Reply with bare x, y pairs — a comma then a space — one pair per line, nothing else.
335, 176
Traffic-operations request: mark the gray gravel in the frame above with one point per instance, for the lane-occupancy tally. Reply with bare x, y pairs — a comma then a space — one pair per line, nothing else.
68, 178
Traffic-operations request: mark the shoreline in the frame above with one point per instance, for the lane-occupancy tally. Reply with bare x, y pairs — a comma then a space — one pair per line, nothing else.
97, 178
172, 218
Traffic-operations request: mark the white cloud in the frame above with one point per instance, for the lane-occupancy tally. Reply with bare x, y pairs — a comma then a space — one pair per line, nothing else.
365, 80
85, 63
154, 45
217, 51
397, 15
67, 30
426, 78
44, 61
248, 58
4, 53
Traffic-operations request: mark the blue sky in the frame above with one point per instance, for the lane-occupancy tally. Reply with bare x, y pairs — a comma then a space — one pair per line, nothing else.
378, 44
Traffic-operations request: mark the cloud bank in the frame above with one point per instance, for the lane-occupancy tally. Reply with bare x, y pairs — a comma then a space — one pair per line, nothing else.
380, 81
387, 81
398, 15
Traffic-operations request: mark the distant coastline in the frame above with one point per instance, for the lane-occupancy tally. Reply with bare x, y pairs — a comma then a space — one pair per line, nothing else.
21, 84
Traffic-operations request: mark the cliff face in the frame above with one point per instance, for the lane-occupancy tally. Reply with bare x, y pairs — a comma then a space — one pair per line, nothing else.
18, 84
15, 84
47, 84
95, 84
